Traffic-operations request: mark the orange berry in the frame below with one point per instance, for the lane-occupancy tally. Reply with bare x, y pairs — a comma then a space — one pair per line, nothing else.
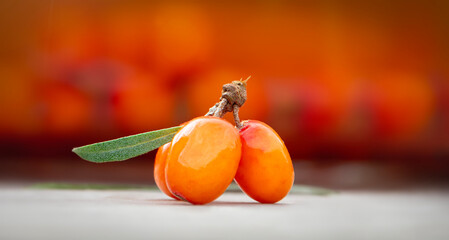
203, 159
159, 169
265, 171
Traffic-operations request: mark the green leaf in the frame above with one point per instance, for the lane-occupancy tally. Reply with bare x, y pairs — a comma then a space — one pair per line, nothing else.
126, 147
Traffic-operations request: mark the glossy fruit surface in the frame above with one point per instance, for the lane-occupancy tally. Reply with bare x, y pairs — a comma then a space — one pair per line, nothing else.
159, 169
203, 159
265, 171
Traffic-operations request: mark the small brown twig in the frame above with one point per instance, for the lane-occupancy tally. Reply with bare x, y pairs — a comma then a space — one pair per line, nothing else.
221, 108
235, 111
233, 96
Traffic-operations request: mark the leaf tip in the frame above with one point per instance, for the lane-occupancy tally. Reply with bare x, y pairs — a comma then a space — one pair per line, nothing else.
79, 153
75, 150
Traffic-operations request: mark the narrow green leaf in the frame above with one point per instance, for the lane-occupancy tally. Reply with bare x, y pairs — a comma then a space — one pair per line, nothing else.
126, 147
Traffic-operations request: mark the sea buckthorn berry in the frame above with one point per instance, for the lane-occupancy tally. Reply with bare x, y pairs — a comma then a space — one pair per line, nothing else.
159, 169
203, 159
265, 171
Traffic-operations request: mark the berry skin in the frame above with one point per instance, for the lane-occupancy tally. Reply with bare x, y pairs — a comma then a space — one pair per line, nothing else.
266, 171
159, 169
203, 159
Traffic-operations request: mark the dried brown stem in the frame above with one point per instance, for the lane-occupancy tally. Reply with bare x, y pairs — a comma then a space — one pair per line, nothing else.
220, 111
235, 111
233, 96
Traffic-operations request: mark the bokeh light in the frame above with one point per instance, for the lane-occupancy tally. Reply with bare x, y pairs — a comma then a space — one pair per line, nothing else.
363, 81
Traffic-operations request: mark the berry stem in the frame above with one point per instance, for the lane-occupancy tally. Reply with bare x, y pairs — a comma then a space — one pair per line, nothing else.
233, 96
235, 111
221, 108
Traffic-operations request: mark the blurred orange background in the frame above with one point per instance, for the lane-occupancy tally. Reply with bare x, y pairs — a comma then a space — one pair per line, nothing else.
363, 81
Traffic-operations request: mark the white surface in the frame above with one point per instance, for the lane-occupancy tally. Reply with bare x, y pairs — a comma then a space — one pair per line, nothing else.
88, 214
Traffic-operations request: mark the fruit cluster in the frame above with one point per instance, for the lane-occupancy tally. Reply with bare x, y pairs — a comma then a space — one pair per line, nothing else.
198, 160
208, 153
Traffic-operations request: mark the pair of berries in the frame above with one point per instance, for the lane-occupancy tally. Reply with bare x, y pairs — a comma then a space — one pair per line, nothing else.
208, 153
